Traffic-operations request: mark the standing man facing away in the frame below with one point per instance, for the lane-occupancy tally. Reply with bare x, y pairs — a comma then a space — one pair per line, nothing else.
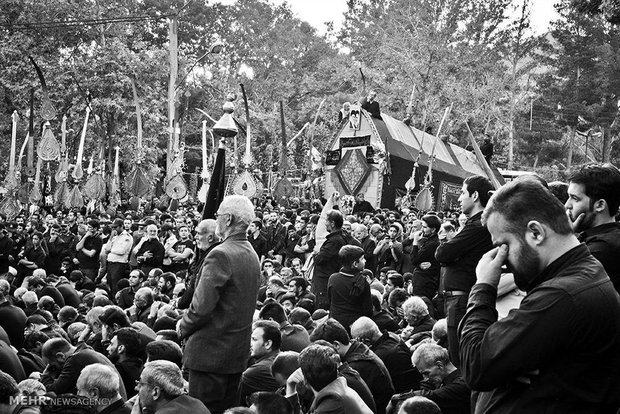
560, 350
593, 201
218, 324
460, 255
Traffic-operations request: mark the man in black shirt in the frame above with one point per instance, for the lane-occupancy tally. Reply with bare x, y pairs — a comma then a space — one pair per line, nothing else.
256, 239
593, 201
88, 249
460, 256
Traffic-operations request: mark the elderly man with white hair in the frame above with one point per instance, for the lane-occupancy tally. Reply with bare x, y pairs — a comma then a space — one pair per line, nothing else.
161, 389
218, 323
100, 383
149, 251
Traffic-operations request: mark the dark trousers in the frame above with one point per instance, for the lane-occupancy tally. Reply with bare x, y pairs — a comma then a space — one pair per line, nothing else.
115, 272
455, 307
217, 391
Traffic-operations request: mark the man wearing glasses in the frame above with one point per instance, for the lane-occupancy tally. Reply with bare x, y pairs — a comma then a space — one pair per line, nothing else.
218, 324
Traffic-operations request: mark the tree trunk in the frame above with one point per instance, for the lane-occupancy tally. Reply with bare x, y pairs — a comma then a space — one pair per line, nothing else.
606, 145
569, 161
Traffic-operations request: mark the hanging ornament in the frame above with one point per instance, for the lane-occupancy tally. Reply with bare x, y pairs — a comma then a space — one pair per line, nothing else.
48, 148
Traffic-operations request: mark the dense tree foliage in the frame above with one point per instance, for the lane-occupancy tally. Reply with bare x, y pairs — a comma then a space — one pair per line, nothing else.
528, 93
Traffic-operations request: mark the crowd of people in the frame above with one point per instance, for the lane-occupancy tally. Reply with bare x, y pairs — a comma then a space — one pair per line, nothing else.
508, 305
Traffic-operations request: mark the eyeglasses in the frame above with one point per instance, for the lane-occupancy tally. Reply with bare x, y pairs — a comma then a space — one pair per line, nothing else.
141, 383
222, 214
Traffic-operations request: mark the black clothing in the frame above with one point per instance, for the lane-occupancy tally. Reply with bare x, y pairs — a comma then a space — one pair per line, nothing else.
349, 298
179, 247
461, 254
259, 244
13, 320
66, 380
369, 245
373, 372
363, 207
604, 243
558, 352
326, 264
53, 293
453, 396
459, 258
95, 243
69, 294
9, 362
385, 321
6, 249
372, 107
425, 281
397, 359
130, 370
125, 297
157, 249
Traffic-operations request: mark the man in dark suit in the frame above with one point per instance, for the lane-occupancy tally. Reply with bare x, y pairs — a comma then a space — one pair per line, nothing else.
65, 363
218, 324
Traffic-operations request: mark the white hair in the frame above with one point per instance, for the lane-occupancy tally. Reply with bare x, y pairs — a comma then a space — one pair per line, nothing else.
102, 377
240, 207
430, 353
415, 306
39, 273
30, 297
165, 375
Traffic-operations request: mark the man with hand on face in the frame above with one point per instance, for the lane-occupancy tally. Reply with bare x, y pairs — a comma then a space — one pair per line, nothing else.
560, 350
88, 249
593, 201
426, 271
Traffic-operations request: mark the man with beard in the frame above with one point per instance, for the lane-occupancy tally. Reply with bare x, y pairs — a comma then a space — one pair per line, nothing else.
149, 251
33, 257
426, 268
459, 256
593, 201
560, 350
218, 324
88, 249
126, 295
124, 352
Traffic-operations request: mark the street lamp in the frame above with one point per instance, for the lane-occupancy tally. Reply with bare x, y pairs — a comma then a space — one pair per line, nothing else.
215, 49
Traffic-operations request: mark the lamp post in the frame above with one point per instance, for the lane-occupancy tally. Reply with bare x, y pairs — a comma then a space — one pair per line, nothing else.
173, 86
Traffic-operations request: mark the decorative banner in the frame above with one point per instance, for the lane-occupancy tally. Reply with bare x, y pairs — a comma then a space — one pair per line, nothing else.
332, 157
245, 185
449, 196
353, 170
48, 148
348, 142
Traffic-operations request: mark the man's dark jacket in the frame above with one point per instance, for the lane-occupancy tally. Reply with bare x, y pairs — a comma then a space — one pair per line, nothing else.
558, 352
373, 372
604, 243
397, 359
326, 263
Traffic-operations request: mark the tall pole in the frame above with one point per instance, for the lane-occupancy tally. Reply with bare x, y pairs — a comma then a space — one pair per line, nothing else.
173, 28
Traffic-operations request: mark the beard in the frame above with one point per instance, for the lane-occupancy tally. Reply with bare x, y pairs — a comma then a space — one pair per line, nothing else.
114, 357
526, 268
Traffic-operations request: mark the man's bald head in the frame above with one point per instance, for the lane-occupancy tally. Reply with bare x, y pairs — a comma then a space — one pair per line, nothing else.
365, 330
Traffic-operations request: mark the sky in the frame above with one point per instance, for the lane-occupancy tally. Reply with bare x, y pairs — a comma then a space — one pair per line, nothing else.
317, 12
